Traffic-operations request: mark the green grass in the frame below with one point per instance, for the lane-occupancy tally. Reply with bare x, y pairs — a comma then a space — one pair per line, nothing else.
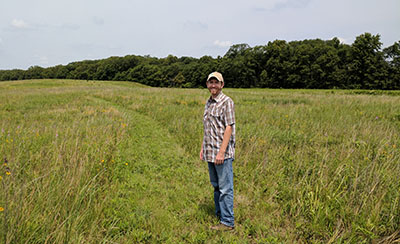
117, 162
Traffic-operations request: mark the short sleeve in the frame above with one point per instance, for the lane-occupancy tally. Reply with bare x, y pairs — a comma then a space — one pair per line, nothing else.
229, 112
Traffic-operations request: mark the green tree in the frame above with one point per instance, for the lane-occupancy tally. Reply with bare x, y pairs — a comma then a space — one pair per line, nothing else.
367, 68
34, 72
14, 74
236, 50
276, 65
392, 56
298, 64
179, 80
264, 79
148, 74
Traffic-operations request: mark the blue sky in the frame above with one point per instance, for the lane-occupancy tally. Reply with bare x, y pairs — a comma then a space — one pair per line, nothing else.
48, 32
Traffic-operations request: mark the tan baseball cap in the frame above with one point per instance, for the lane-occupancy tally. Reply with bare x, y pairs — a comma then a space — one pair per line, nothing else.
216, 75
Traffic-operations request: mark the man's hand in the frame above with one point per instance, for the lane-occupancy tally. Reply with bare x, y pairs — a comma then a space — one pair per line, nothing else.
220, 158
221, 154
201, 154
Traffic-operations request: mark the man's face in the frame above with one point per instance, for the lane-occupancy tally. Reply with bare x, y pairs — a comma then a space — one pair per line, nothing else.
214, 86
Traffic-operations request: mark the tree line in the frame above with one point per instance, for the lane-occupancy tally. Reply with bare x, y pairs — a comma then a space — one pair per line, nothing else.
316, 63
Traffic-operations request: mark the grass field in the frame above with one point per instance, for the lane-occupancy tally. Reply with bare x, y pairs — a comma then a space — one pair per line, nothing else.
117, 162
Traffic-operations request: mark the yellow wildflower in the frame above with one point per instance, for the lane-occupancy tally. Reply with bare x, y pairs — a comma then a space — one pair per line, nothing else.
126, 163
8, 173
1, 177
102, 160
5, 164
1, 209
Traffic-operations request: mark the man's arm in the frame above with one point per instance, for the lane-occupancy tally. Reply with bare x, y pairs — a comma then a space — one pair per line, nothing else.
221, 154
201, 152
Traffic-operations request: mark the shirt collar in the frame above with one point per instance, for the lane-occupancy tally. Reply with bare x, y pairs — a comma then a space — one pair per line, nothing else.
218, 98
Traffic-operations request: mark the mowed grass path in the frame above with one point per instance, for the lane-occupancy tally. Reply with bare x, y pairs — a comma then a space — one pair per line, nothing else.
116, 162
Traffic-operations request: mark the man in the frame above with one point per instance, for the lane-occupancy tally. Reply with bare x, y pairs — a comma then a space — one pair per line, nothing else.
218, 149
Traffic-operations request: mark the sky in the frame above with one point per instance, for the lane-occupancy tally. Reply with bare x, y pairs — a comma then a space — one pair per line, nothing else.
52, 32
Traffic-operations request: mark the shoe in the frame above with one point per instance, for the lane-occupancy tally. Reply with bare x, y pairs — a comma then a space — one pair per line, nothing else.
222, 227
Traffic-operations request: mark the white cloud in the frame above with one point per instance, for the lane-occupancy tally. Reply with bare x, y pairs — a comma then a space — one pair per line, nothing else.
342, 40
292, 4
98, 20
280, 4
41, 60
19, 23
348, 41
195, 25
222, 43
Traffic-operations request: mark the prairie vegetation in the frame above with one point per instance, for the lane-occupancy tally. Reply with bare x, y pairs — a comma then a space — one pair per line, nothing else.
117, 162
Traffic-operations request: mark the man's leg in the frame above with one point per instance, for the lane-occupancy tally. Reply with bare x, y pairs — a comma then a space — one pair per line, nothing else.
214, 182
225, 184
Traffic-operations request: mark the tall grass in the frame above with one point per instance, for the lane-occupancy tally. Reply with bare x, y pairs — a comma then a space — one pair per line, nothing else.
117, 162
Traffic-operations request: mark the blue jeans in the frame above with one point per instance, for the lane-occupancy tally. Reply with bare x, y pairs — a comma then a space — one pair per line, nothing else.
221, 177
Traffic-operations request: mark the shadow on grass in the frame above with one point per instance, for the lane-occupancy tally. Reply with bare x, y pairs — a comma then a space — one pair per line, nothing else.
207, 207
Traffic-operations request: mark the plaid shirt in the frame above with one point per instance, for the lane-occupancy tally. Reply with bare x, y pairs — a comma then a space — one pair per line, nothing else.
218, 114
